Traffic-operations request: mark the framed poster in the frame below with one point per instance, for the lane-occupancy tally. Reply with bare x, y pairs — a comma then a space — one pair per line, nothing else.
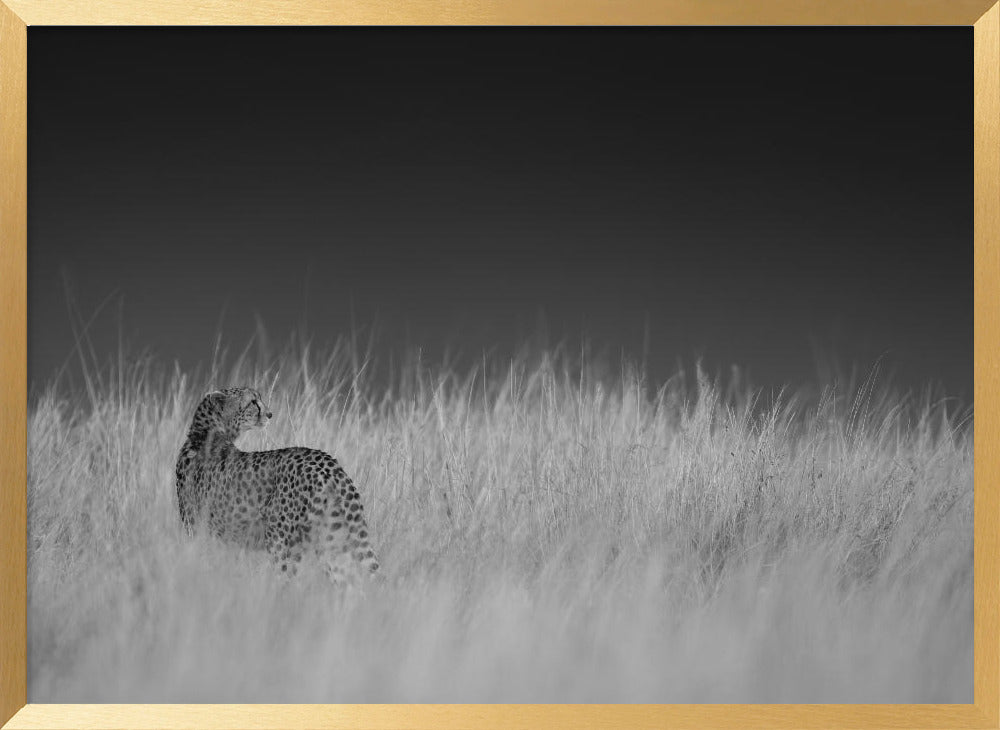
645, 355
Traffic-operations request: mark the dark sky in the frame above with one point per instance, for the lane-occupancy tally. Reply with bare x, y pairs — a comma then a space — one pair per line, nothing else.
752, 195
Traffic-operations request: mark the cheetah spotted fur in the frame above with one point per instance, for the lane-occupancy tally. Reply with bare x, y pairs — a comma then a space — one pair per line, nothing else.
293, 502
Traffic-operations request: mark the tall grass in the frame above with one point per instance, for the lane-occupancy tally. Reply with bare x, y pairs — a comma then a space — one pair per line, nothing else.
547, 533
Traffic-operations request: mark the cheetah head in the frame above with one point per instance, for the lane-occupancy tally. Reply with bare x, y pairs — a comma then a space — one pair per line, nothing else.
232, 410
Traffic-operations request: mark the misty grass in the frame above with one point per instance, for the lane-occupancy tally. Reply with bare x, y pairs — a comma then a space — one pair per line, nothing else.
546, 535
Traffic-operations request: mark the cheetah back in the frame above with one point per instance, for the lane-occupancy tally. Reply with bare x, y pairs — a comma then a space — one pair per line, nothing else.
314, 507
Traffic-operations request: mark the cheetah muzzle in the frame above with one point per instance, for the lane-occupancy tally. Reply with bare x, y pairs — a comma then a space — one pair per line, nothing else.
292, 502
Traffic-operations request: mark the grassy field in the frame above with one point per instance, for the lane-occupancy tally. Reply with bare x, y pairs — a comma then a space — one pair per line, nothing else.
547, 534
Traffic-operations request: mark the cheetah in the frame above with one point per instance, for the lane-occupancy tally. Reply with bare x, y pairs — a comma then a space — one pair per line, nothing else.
291, 502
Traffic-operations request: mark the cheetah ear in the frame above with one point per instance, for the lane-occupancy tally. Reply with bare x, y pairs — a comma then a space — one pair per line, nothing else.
214, 394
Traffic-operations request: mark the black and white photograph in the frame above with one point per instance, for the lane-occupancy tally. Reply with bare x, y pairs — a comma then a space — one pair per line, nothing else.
500, 365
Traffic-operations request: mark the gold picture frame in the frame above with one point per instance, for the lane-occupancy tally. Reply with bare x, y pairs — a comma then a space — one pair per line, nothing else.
17, 15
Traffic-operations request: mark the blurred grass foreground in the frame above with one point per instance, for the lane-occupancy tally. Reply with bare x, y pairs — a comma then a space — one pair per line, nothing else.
548, 533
